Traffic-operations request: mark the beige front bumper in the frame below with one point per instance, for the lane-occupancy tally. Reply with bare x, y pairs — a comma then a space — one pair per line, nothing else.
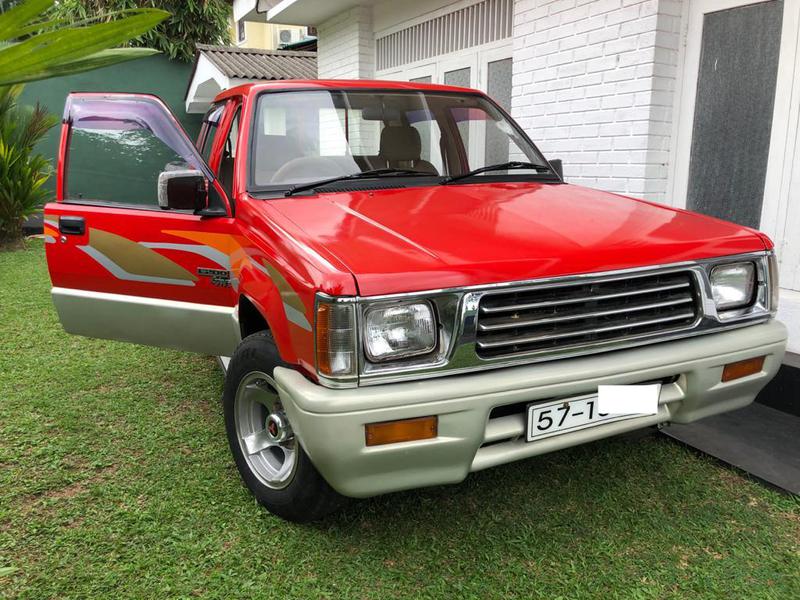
330, 423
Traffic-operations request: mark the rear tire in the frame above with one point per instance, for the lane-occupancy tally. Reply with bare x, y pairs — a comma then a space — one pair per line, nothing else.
268, 455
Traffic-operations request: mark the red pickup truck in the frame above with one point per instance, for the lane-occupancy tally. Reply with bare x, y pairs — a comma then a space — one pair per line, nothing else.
406, 288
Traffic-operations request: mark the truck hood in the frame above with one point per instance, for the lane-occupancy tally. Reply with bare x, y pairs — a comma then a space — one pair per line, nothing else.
422, 238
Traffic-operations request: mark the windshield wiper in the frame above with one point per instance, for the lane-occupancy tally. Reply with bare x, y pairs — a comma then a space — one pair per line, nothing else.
360, 175
514, 164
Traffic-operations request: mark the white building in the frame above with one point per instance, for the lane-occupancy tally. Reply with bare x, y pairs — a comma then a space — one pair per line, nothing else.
692, 103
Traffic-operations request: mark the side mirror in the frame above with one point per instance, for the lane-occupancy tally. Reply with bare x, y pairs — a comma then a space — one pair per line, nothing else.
182, 189
558, 167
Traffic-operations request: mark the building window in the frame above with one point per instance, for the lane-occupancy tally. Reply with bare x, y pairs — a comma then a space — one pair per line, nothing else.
240, 30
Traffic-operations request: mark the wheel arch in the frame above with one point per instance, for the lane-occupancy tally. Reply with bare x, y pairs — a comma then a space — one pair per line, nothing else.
267, 314
251, 318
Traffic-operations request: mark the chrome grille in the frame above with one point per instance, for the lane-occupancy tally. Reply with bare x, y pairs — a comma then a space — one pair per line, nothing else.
585, 312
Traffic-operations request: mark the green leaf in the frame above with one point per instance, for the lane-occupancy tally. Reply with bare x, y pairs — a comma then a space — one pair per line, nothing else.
42, 26
44, 52
20, 16
104, 58
6, 571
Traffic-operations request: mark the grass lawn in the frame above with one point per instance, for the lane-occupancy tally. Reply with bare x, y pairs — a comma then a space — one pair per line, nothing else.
116, 481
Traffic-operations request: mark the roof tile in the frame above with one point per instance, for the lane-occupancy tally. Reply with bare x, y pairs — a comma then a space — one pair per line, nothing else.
252, 63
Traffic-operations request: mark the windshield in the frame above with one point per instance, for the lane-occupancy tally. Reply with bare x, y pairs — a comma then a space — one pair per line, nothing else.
301, 137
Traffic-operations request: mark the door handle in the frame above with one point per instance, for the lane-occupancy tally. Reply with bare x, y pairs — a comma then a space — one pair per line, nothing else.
71, 225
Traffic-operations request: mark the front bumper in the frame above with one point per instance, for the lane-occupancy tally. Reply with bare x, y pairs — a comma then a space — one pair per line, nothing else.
330, 422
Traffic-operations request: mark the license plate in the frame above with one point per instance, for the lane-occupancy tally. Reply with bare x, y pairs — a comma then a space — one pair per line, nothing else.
562, 416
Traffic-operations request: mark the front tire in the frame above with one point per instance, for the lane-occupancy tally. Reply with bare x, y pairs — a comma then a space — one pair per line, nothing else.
268, 455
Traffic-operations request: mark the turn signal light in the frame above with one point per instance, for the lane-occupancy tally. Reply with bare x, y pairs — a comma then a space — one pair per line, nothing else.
335, 339
407, 430
742, 368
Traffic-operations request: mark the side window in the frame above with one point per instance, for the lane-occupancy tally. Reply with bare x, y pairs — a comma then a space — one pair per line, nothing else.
225, 171
119, 147
211, 128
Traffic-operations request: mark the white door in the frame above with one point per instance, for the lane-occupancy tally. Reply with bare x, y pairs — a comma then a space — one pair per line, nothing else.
730, 105
737, 125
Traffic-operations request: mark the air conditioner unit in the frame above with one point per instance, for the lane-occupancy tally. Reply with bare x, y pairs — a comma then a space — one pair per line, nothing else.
287, 36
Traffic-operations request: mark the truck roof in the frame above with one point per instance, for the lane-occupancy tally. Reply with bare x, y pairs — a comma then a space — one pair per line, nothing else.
249, 89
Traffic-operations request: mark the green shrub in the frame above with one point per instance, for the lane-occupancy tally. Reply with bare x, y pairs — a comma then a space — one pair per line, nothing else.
22, 173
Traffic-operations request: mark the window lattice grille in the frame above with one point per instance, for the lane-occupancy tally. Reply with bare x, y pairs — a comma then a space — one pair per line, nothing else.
481, 23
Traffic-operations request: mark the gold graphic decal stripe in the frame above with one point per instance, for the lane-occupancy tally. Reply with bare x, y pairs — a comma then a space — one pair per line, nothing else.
227, 244
232, 246
288, 295
292, 305
130, 261
50, 231
135, 259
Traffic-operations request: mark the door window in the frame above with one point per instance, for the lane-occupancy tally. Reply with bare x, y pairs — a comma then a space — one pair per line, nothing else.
118, 146
225, 171
210, 130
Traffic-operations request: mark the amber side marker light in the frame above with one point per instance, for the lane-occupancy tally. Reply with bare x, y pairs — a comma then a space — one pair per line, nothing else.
407, 430
742, 368
323, 338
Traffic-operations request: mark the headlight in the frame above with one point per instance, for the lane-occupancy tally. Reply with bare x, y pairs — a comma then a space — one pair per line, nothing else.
399, 331
733, 285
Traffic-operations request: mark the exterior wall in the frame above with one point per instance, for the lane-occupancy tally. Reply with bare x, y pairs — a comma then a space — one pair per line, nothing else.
594, 84
346, 46
263, 36
256, 35
390, 13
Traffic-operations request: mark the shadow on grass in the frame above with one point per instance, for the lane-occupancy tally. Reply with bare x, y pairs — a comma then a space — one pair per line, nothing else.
576, 488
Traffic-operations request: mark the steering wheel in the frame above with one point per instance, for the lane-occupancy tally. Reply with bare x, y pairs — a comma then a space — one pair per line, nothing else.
310, 168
